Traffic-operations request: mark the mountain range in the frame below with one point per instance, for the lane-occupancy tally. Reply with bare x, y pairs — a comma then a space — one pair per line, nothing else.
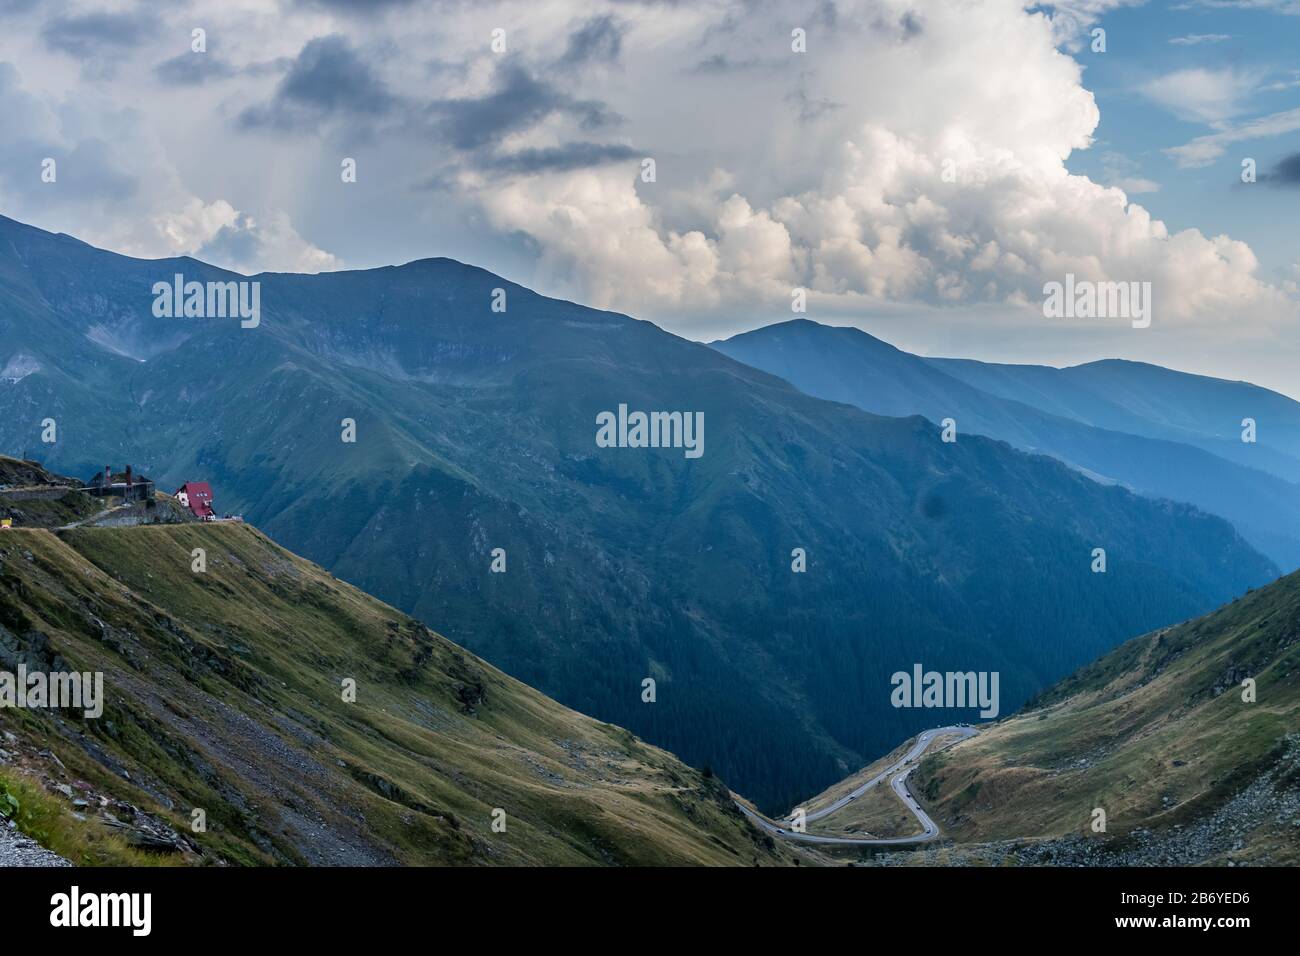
475, 430
1161, 433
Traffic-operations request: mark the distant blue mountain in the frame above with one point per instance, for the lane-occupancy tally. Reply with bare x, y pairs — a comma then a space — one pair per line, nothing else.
1156, 402
1161, 433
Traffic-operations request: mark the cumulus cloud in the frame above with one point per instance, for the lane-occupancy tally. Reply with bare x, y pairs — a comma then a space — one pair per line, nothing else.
960, 200
243, 244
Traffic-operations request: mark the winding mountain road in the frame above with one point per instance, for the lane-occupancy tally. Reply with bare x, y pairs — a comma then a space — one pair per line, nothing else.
897, 774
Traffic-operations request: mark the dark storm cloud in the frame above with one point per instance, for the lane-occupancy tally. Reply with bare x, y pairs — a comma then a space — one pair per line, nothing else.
562, 158
599, 40
519, 102
720, 63
191, 69
327, 79
1286, 173
94, 34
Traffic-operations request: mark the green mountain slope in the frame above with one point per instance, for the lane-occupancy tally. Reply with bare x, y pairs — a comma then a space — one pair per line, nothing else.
476, 430
224, 693
1157, 734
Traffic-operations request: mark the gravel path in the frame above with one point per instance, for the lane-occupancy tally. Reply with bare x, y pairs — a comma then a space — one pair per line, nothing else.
19, 850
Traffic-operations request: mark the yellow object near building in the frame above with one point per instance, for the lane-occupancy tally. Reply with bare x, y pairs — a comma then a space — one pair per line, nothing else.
6, 522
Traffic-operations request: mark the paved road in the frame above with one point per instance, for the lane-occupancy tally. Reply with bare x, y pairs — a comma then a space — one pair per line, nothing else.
897, 773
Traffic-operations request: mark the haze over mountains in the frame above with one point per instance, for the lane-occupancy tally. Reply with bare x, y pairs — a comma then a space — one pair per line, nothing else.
1161, 433
476, 430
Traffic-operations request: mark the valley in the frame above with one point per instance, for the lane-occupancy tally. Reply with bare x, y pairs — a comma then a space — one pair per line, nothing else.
1181, 747
475, 432
223, 704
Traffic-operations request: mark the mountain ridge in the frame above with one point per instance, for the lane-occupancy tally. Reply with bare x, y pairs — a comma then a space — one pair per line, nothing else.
475, 431
847, 364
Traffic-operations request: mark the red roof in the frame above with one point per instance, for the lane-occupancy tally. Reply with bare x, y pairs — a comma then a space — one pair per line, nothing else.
199, 494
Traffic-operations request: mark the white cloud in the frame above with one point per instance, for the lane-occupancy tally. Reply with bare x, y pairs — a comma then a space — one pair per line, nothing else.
1196, 39
854, 205
1204, 150
1201, 95
1274, 6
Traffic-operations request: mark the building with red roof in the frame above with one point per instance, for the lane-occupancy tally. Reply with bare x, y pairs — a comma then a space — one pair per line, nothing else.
197, 496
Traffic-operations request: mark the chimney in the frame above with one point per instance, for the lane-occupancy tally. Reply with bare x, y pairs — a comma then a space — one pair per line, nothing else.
108, 476
128, 477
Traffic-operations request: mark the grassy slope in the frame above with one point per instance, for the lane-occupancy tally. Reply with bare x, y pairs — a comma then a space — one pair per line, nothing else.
224, 693
1156, 733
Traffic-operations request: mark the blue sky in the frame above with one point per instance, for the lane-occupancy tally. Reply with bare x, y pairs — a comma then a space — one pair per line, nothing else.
1260, 48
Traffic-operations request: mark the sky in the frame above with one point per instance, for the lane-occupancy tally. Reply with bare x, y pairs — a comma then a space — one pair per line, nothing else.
922, 169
